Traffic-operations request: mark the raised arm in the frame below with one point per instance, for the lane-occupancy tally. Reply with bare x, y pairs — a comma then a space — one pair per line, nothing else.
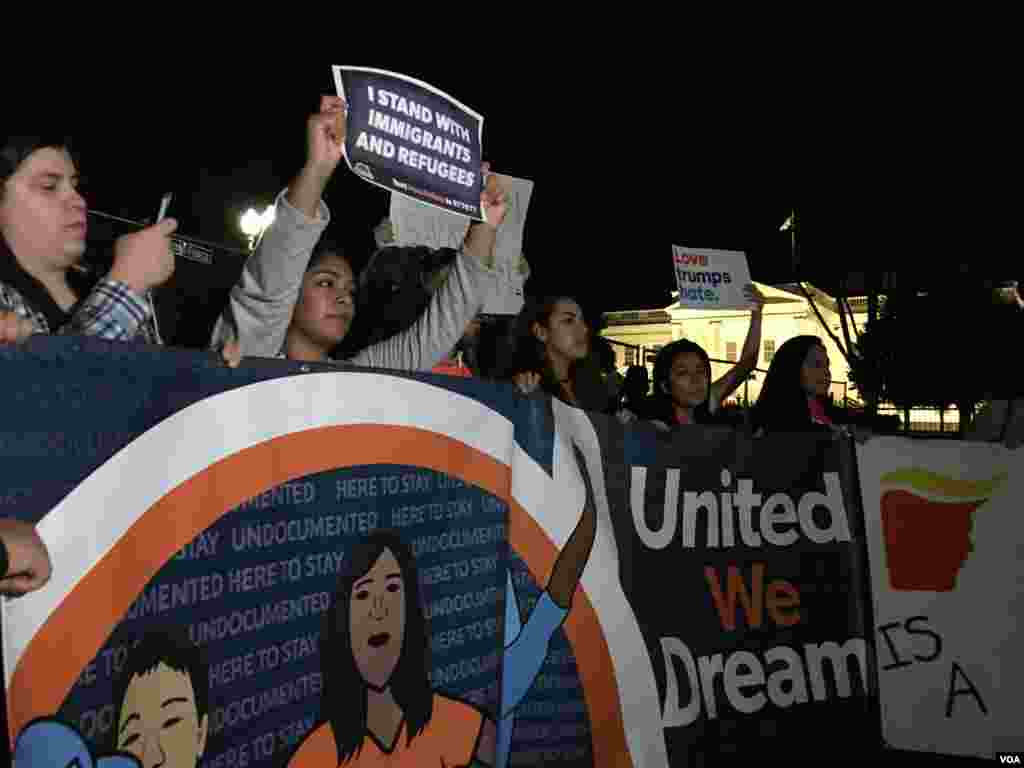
432, 337
736, 375
261, 303
525, 655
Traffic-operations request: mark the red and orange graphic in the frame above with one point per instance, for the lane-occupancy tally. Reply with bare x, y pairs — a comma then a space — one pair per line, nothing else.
927, 521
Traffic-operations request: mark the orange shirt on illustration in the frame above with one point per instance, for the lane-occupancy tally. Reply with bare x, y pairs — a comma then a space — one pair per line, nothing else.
447, 741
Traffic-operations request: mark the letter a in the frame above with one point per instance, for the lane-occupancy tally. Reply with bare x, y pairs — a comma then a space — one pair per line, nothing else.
970, 690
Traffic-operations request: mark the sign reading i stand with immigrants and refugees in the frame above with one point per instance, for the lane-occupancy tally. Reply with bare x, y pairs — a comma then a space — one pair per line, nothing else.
411, 138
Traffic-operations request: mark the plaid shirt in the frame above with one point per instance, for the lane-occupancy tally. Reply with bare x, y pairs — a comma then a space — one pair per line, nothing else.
112, 311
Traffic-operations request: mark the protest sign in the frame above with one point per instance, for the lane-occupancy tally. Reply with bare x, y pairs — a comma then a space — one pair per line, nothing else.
409, 137
741, 563
212, 524
711, 279
187, 250
946, 549
414, 224
210, 546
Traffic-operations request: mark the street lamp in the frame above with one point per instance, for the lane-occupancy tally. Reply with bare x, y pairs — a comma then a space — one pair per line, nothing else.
253, 223
789, 225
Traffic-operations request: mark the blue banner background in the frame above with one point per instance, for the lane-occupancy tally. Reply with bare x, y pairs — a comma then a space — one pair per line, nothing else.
79, 401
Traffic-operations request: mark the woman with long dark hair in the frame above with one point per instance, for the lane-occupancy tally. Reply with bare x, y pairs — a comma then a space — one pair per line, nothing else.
377, 701
683, 390
296, 297
795, 394
551, 347
682, 380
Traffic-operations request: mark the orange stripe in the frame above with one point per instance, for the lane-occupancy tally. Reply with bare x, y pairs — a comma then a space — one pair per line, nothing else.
74, 633
583, 629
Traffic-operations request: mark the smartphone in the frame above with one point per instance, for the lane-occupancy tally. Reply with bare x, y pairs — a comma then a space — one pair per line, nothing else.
165, 203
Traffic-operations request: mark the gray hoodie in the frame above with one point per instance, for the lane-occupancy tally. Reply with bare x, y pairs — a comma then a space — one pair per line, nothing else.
261, 303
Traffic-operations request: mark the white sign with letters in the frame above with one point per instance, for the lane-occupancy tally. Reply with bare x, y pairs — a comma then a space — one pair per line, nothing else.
711, 279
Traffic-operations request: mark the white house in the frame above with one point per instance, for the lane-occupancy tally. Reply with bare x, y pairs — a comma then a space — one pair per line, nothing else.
787, 313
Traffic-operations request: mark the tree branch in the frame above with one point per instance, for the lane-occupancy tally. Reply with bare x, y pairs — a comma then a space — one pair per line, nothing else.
853, 323
840, 303
825, 325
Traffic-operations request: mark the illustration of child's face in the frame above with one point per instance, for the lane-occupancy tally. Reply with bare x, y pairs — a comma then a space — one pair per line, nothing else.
158, 721
377, 620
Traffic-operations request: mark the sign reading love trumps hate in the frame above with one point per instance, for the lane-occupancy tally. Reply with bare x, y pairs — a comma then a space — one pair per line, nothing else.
409, 137
711, 279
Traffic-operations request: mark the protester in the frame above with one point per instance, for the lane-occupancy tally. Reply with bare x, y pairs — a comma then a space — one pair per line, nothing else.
550, 349
24, 562
276, 311
635, 402
795, 394
462, 360
683, 390
398, 284
490, 353
1001, 419
468, 358
613, 381
44, 288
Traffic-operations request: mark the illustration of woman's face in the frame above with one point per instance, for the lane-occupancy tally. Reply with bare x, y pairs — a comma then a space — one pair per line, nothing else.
377, 620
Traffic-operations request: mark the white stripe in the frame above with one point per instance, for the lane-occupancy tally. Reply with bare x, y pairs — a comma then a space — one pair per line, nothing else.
90, 520
556, 504
210, 430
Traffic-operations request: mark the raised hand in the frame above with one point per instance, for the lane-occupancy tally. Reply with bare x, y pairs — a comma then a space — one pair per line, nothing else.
28, 562
14, 329
493, 198
325, 135
325, 145
527, 382
144, 259
231, 353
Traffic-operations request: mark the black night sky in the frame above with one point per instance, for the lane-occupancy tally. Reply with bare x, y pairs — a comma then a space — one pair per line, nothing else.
889, 168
